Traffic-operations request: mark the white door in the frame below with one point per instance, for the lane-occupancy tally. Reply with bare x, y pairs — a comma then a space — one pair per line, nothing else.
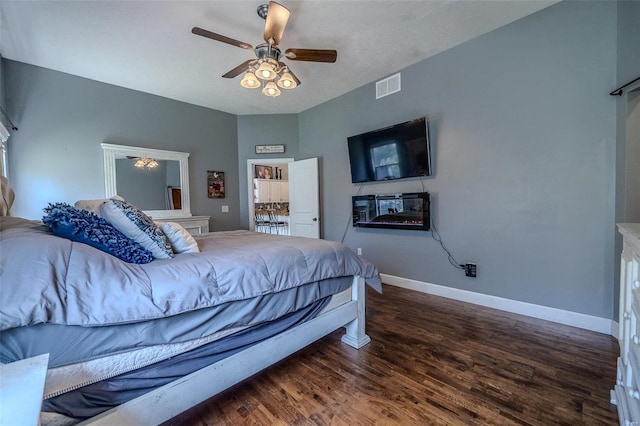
304, 198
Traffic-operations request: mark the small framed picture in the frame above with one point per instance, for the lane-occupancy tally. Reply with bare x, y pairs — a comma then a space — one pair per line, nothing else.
263, 172
269, 149
215, 184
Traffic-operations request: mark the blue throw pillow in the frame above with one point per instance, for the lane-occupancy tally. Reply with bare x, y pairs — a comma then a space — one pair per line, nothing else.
85, 227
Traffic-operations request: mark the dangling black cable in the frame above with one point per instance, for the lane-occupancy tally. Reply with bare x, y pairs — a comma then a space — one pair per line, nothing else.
436, 236
346, 227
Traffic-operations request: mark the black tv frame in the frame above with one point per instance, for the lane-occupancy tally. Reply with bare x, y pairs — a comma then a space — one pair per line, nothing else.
361, 165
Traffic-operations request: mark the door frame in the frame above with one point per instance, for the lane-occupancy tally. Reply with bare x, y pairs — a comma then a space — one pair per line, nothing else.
250, 163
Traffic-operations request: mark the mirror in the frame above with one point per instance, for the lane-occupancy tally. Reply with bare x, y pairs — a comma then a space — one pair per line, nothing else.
154, 180
149, 188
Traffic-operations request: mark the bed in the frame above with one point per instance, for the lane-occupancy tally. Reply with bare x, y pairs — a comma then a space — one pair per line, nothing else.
138, 344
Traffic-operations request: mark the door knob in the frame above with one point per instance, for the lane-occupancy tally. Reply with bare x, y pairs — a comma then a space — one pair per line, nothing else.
315, 219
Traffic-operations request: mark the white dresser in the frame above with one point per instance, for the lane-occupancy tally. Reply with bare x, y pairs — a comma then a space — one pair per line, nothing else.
626, 393
194, 224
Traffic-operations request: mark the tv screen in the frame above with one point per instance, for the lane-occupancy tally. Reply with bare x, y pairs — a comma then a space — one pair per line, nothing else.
394, 211
395, 152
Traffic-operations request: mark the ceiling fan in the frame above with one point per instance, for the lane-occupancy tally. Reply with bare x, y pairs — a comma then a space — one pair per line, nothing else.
268, 65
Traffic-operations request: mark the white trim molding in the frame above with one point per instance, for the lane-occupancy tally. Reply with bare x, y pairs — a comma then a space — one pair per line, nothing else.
574, 319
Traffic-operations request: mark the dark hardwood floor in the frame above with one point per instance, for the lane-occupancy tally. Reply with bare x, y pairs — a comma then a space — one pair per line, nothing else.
431, 361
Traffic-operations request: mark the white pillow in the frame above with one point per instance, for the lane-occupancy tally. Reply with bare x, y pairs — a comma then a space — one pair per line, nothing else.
136, 225
181, 240
94, 205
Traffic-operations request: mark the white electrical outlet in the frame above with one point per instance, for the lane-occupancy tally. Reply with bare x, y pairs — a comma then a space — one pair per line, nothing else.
225, 209
359, 251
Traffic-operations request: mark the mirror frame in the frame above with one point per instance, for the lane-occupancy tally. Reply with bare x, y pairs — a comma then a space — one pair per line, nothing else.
112, 152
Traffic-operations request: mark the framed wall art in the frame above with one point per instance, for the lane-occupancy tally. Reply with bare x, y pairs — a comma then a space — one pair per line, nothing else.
215, 184
263, 172
269, 149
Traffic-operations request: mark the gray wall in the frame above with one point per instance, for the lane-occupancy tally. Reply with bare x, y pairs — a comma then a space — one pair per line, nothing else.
56, 155
523, 142
277, 129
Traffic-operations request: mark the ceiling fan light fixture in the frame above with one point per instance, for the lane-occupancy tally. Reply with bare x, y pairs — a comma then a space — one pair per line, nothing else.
266, 71
271, 90
250, 81
286, 81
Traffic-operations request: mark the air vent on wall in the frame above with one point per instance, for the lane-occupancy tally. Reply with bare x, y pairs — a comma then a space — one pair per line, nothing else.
388, 86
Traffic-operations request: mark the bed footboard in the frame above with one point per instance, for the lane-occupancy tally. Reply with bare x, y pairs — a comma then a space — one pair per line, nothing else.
172, 399
355, 335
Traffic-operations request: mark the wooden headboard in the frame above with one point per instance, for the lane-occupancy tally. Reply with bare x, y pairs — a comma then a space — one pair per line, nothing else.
7, 196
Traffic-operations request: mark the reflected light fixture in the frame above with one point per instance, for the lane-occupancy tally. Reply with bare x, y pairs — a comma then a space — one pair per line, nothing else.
146, 163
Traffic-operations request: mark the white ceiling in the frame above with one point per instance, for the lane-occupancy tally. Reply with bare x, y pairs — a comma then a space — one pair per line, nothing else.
148, 45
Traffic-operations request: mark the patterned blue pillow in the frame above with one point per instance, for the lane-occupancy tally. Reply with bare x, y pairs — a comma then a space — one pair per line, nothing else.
133, 223
85, 227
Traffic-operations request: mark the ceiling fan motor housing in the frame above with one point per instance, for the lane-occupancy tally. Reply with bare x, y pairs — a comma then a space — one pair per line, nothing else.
264, 52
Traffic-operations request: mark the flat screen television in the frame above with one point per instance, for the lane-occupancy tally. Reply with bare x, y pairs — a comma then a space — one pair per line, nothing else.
393, 211
395, 152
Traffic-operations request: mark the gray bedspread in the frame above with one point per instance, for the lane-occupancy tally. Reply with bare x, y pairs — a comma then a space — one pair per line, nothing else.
68, 344
48, 279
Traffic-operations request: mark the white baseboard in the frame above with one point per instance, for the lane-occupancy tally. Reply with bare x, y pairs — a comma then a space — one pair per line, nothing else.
575, 319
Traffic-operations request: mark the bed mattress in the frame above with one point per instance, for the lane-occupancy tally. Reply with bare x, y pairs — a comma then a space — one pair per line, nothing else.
73, 344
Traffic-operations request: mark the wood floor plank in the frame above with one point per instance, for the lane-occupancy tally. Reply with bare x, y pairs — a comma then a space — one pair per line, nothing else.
432, 361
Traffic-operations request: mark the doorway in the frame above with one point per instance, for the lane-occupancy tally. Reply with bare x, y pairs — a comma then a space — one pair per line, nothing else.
266, 170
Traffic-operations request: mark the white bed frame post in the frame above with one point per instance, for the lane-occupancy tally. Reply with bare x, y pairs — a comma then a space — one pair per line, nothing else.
355, 335
173, 398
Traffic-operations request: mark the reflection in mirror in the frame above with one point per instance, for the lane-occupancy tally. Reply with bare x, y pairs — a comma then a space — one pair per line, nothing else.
149, 188
156, 181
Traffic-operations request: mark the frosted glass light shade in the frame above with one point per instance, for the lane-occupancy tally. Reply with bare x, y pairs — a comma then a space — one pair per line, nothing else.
286, 81
271, 90
249, 81
266, 72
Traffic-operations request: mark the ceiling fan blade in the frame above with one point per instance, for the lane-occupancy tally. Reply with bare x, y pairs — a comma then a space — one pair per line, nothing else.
312, 55
277, 18
283, 65
239, 69
223, 39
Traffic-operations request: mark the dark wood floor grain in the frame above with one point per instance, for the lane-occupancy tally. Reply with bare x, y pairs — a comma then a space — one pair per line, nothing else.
432, 361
